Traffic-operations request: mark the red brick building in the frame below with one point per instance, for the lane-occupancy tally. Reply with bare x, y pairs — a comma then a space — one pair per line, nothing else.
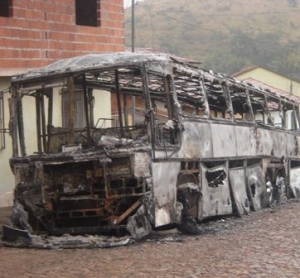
34, 33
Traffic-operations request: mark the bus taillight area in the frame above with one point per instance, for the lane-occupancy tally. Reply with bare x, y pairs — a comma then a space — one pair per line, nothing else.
86, 197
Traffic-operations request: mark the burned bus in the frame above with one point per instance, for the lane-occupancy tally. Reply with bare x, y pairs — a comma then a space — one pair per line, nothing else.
128, 141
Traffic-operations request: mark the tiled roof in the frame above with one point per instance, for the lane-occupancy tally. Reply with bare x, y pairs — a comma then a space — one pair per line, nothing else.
272, 89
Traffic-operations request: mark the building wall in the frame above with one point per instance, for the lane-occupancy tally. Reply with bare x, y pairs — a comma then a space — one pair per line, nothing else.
40, 32
6, 175
37, 33
272, 79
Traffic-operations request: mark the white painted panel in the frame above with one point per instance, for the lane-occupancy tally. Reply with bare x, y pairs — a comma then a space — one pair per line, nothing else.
264, 141
164, 190
239, 191
217, 199
224, 140
255, 179
197, 141
291, 147
295, 181
245, 140
279, 143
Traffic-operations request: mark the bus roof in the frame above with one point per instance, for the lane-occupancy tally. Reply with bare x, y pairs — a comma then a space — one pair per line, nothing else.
91, 62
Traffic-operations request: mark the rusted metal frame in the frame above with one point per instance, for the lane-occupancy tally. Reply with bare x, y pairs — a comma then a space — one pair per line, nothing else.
167, 88
71, 95
86, 110
201, 82
296, 107
144, 72
50, 119
41, 98
38, 120
13, 121
281, 113
39, 85
91, 105
248, 189
119, 102
119, 219
249, 104
21, 126
267, 111
2, 127
125, 110
227, 96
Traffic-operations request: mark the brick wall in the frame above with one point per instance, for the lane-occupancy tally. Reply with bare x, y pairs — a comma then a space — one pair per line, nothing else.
38, 32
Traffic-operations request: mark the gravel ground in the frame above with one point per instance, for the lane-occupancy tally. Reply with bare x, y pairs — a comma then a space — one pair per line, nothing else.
262, 244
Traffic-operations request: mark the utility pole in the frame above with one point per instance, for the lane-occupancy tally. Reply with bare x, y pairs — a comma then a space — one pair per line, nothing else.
132, 50
132, 25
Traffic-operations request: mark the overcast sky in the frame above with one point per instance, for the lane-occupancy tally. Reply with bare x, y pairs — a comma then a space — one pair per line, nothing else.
127, 3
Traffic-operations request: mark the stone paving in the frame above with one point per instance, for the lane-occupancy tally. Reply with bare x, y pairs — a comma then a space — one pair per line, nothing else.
262, 244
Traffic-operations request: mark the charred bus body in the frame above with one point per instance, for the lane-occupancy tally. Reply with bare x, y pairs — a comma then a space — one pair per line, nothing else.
139, 141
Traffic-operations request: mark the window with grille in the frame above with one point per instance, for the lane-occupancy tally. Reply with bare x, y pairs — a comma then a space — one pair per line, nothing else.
87, 12
5, 8
2, 126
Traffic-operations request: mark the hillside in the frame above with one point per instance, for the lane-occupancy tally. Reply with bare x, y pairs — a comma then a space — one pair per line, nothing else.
225, 35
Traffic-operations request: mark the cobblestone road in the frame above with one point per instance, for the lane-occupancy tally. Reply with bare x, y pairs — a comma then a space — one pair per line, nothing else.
262, 244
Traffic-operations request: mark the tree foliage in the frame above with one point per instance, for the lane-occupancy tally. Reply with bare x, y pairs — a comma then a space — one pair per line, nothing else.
225, 35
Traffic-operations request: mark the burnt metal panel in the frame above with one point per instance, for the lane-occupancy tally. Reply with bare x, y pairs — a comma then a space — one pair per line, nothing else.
223, 139
196, 142
245, 140
239, 191
291, 145
295, 181
216, 198
255, 180
279, 143
141, 165
264, 141
271, 142
164, 191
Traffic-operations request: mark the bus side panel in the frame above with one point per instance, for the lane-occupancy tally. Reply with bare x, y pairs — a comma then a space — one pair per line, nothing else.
291, 145
279, 143
196, 140
295, 181
216, 193
298, 145
239, 191
255, 180
264, 142
164, 190
224, 140
245, 141
270, 142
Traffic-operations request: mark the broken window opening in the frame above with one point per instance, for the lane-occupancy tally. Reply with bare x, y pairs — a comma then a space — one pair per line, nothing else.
295, 164
162, 104
219, 105
240, 103
252, 162
5, 8
2, 122
236, 163
215, 178
87, 12
190, 94
276, 113
290, 116
260, 108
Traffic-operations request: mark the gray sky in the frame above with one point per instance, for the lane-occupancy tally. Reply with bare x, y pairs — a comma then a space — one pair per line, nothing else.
127, 3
